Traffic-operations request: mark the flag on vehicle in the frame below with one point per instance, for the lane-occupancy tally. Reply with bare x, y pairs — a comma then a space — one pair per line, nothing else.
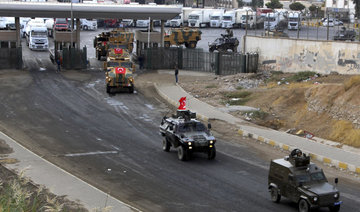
120, 70
118, 51
182, 102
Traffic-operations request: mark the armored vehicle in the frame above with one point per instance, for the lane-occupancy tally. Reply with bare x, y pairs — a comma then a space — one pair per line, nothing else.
223, 44
345, 34
186, 36
119, 71
184, 132
118, 38
302, 182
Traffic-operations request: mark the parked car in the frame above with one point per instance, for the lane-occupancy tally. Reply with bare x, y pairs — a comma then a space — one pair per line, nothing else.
332, 22
88, 24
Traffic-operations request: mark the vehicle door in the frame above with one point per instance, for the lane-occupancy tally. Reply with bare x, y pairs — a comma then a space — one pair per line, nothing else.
170, 134
291, 188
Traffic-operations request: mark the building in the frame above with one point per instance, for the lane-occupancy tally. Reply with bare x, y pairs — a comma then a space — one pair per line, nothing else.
342, 9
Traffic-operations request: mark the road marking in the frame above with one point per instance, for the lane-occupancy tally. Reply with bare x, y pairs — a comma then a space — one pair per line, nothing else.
91, 153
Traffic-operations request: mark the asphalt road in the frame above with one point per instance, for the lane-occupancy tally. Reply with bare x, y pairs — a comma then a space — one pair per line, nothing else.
113, 143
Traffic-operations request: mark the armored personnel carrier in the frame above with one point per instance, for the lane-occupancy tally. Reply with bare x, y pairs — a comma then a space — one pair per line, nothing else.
345, 34
302, 182
184, 132
119, 71
181, 36
118, 38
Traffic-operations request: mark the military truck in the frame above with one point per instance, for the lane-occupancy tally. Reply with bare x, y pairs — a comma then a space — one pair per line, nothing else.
345, 34
227, 41
186, 36
118, 38
119, 71
302, 182
184, 132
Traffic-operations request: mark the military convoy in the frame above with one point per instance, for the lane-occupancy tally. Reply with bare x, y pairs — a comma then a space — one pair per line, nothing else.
116, 45
302, 182
184, 132
117, 38
186, 36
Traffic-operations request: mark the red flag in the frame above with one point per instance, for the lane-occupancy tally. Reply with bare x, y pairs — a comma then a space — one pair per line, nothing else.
120, 70
182, 102
118, 51
104, 43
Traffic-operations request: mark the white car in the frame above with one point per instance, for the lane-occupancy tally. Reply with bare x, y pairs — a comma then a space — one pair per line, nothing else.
332, 22
143, 23
88, 24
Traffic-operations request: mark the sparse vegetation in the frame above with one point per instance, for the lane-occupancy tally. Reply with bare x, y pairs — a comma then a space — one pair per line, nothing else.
298, 77
258, 114
344, 132
238, 94
211, 86
237, 98
353, 81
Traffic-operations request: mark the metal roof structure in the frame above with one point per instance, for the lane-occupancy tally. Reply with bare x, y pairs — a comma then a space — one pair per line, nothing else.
79, 10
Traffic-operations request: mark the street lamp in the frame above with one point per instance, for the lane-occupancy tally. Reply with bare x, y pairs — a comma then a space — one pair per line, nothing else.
317, 23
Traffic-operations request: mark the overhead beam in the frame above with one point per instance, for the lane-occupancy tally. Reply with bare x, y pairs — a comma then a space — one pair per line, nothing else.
63, 10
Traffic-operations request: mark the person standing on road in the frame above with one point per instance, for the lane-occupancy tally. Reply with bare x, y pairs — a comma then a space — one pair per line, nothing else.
176, 73
58, 65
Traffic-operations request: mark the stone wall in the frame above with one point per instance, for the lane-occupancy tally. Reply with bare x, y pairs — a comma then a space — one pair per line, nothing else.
293, 55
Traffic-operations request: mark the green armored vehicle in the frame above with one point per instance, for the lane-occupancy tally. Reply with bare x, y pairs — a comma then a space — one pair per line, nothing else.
186, 36
302, 182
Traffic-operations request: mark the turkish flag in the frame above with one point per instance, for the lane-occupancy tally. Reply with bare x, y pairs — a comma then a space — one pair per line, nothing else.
118, 51
182, 102
120, 70
104, 43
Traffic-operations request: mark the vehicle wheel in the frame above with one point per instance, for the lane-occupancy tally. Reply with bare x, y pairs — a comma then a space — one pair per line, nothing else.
98, 55
131, 89
211, 49
182, 153
335, 208
275, 196
85, 27
167, 44
108, 89
303, 206
166, 145
192, 45
212, 153
186, 45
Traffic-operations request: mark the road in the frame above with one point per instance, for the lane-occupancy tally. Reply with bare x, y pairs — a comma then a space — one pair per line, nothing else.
113, 143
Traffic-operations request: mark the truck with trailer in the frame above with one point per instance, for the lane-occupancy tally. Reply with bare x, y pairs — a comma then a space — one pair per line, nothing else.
294, 20
228, 20
200, 18
216, 18
36, 36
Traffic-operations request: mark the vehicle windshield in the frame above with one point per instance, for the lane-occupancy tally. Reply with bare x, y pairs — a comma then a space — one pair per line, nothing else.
215, 18
243, 17
112, 64
39, 34
177, 17
61, 21
227, 18
293, 19
117, 46
269, 19
191, 127
317, 176
307, 178
196, 17
126, 64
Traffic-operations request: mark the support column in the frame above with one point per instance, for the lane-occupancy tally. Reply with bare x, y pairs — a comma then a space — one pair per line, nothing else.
17, 25
78, 33
151, 25
162, 33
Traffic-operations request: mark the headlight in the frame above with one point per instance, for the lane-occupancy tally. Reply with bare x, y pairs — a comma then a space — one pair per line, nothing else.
315, 199
336, 195
211, 142
189, 143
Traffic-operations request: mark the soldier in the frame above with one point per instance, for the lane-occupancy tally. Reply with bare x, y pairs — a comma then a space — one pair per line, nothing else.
176, 73
229, 32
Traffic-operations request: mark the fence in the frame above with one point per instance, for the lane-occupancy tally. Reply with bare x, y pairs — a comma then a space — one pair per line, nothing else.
11, 58
198, 60
74, 58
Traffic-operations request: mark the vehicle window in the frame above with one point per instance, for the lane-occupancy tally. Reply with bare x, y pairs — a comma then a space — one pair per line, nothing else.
215, 18
302, 178
191, 127
317, 176
38, 33
126, 65
61, 21
112, 64
194, 17
227, 18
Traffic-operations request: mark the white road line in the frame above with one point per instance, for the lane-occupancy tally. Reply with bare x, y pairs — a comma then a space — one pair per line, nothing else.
90, 153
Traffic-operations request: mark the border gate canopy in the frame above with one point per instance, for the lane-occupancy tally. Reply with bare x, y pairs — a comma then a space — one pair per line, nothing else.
79, 10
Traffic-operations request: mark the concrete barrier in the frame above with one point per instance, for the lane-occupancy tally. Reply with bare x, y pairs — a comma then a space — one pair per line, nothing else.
295, 55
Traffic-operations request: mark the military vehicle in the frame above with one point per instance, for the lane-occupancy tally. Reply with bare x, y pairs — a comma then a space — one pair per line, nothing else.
223, 44
184, 132
119, 71
302, 182
345, 34
186, 36
105, 41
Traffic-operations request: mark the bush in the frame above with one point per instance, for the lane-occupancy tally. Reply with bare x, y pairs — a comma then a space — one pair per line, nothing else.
297, 6
298, 77
238, 94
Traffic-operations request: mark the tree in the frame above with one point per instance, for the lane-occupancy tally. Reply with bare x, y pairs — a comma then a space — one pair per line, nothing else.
297, 6
257, 3
275, 4
357, 8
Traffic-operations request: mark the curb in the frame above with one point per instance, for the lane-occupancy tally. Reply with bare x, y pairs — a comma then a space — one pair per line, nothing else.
326, 160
